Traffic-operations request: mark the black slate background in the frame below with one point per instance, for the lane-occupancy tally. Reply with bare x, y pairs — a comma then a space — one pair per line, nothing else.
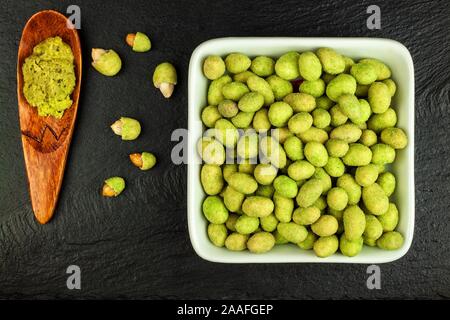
137, 246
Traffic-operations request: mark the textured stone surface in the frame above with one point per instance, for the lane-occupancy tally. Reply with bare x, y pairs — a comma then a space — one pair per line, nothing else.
137, 246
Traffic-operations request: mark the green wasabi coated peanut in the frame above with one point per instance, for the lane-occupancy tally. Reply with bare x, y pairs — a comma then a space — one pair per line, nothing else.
256, 206
309, 193
243, 76
139, 42
261, 242
251, 102
246, 224
210, 114
279, 239
394, 137
265, 173
211, 179
337, 199
213, 67
306, 216
314, 134
269, 223
391, 86
368, 138
354, 222
113, 186
337, 117
324, 102
285, 186
281, 134
316, 154
301, 170
389, 220
321, 118
326, 246
286, 66
243, 183
215, 95
315, 88
165, 78
234, 90
375, 200
231, 222
364, 73
283, 207
326, 77
366, 175
265, 191
292, 232
382, 70
261, 121
308, 243
337, 148
332, 62
324, 178
379, 97
293, 147
107, 62
350, 248
227, 109
320, 203
217, 233
391, 240
232, 199
382, 153
237, 62
280, 113
300, 122
280, 87
257, 84
211, 151
362, 90
341, 84
387, 182
374, 228
358, 155
349, 63
236, 242
228, 170
247, 146
335, 167
353, 189
325, 226
349, 106
309, 66
378, 122
246, 166
127, 128
362, 126
300, 102
214, 210
243, 119
226, 133
347, 132
370, 242
273, 152
263, 66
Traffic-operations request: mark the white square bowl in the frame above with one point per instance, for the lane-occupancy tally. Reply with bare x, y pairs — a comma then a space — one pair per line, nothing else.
393, 53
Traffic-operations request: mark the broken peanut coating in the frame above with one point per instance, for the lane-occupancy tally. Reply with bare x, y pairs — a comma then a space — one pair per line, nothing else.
144, 160
138, 41
113, 187
165, 78
127, 128
107, 62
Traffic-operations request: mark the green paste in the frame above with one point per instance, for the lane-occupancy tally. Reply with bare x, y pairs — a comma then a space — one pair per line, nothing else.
49, 77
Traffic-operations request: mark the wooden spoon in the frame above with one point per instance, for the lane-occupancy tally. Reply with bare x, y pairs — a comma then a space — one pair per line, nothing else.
46, 140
